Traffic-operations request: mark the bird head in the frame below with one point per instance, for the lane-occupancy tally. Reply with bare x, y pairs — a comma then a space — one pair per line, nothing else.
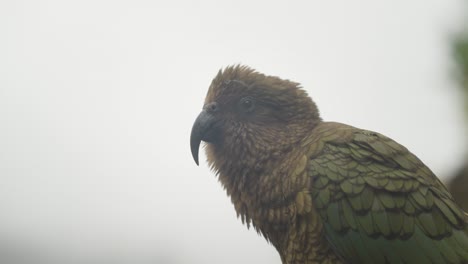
247, 113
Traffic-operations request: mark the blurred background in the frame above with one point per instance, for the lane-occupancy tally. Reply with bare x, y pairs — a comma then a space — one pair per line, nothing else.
97, 99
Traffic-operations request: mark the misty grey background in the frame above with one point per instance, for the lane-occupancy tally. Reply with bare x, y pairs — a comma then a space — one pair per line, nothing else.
97, 99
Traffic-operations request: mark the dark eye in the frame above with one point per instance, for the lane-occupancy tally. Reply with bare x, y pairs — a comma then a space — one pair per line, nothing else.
247, 104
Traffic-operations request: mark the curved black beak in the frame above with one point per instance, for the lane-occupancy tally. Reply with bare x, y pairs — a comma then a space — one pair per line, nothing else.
202, 130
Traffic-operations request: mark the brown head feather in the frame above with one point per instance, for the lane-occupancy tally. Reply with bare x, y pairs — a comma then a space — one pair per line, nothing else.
283, 115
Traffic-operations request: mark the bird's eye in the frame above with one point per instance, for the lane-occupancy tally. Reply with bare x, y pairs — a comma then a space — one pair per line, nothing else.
247, 104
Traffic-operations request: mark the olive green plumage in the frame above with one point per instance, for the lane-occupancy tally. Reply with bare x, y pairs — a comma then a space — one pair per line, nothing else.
380, 203
323, 192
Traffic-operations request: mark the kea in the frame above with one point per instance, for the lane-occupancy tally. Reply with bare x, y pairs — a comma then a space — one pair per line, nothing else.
322, 192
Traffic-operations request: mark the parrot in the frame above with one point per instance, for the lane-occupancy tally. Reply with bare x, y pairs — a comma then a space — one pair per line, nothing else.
320, 191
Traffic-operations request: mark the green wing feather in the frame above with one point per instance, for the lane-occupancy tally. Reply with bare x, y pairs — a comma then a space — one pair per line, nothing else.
380, 204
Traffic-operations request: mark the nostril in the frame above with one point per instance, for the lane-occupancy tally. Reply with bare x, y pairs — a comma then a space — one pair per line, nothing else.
212, 107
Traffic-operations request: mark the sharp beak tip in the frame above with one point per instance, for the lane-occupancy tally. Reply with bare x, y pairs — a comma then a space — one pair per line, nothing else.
194, 149
194, 146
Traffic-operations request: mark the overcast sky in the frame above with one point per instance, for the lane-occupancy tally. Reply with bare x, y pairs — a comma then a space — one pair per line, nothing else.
97, 99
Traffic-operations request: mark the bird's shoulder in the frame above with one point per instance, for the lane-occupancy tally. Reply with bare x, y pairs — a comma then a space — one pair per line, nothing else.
367, 188
365, 151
